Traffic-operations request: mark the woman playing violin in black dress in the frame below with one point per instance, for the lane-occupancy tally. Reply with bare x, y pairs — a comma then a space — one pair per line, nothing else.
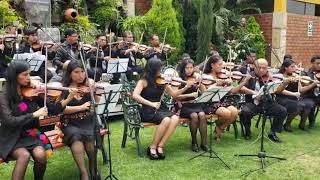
18, 119
191, 110
150, 94
78, 121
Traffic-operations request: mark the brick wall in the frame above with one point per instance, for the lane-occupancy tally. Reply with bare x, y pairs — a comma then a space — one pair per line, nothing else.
265, 21
142, 6
299, 45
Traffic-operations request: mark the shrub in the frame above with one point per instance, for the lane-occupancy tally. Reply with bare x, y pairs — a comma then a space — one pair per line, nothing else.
163, 16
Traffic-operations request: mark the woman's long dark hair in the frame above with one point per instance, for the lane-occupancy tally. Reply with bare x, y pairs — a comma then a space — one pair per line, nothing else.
286, 63
153, 67
67, 75
182, 67
12, 72
212, 60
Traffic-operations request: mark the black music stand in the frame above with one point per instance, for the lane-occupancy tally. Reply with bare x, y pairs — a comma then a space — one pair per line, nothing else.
119, 65
265, 93
35, 60
108, 97
214, 94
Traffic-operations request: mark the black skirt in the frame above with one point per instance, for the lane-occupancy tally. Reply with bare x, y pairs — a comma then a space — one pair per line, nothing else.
189, 108
27, 142
79, 130
148, 114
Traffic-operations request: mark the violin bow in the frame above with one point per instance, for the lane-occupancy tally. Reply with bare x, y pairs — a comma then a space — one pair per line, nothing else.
164, 39
110, 42
299, 79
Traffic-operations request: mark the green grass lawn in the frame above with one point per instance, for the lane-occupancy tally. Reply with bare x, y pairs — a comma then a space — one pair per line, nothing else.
302, 150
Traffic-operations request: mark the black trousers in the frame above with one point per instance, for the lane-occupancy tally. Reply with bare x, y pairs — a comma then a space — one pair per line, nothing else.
316, 102
273, 109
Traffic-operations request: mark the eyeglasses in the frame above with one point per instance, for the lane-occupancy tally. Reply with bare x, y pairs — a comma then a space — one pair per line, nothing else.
74, 36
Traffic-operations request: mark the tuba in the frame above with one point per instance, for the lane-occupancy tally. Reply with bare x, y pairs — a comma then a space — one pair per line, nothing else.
71, 15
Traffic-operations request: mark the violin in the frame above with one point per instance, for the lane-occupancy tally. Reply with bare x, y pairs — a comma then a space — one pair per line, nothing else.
37, 46
174, 81
140, 47
88, 47
54, 90
84, 90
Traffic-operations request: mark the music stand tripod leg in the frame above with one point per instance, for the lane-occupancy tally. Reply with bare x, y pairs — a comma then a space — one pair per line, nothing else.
211, 151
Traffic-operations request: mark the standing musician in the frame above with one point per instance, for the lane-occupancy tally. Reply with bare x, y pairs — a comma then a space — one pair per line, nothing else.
224, 110
290, 97
189, 109
32, 45
156, 50
253, 107
313, 93
77, 119
18, 118
150, 94
69, 49
103, 58
128, 49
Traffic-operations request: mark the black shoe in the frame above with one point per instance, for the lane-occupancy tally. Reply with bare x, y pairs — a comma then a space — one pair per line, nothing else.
204, 147
195, 148
273, 137
247, 137
287, 128
152, 156
303, 128
161, 155
312, 125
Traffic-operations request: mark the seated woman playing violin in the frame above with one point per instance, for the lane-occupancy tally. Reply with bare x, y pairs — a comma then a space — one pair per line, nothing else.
77, 119
290, 97
19, 121
188, 108
226, 112
150, 94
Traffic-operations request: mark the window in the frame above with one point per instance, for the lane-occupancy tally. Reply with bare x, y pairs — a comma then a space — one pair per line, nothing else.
298, 7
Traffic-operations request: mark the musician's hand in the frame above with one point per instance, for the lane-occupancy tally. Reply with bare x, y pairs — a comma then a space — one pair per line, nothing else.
127, 51
316, 82
297, 94
72, 92
85, 106
156, 105
194, 94
40, 112
188, 85
247, 78
106, 58
1, 47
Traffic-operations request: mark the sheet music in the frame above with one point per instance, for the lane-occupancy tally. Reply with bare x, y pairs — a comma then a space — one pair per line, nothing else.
114, 97
213, 94
271, 87
123, 65
117, 65
35, 60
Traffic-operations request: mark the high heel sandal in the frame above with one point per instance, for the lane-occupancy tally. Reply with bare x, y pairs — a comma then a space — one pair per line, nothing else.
160, 155
152, 156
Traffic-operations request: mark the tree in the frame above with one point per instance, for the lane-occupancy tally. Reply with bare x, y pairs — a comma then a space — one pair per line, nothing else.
204, 28
163, 16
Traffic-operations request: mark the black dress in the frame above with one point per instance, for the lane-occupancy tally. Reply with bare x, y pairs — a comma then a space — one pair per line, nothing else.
78, 126
153, 93
188, 108
16, 121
